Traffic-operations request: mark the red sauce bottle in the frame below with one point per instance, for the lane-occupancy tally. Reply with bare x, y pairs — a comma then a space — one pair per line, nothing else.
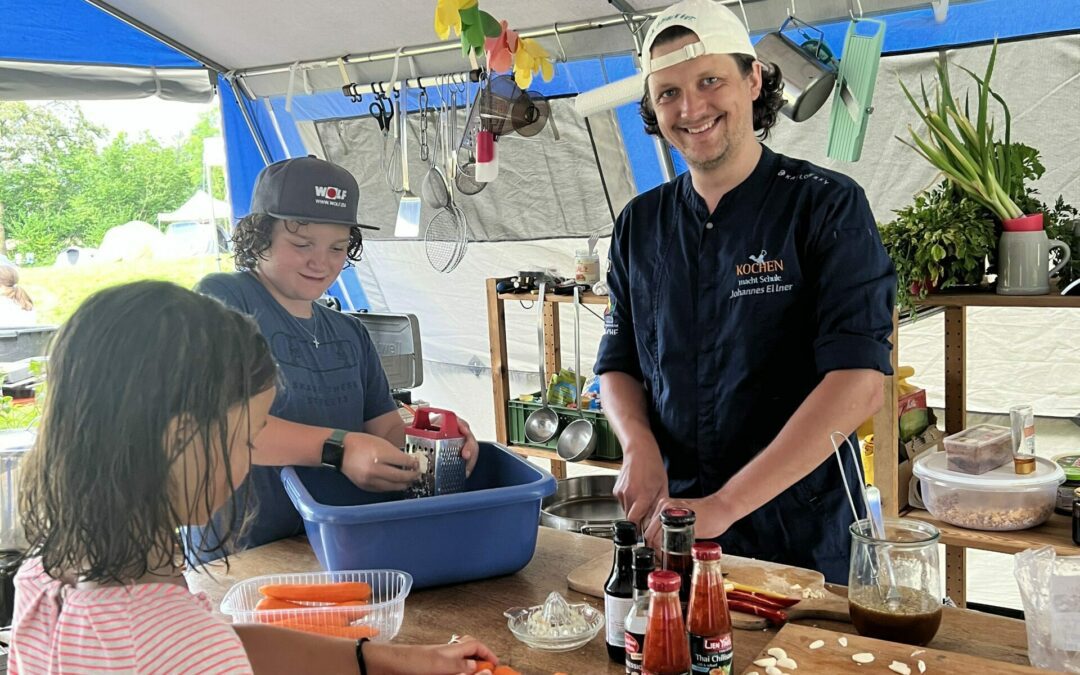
667, 651
709, 621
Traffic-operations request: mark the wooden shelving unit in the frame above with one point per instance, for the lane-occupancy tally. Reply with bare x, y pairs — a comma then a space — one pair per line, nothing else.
500, 372
1057, 532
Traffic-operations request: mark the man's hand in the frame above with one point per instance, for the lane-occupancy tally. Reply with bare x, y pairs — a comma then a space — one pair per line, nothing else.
711, 522
642, 483
374, 464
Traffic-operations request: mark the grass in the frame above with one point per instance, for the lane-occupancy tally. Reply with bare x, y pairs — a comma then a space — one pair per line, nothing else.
58, 291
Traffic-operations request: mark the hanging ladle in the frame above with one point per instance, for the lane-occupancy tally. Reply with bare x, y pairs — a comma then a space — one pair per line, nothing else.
578, 439
543, 423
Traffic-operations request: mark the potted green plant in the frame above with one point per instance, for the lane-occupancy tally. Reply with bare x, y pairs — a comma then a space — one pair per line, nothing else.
966, 152
940, 241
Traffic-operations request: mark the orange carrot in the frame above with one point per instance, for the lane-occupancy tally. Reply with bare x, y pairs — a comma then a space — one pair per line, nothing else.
273, 603
353, 632
484, 665
504, 670
343, 591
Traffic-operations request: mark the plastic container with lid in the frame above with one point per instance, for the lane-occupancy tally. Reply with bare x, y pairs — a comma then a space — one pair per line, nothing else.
995, 500
1070, 464
979, 449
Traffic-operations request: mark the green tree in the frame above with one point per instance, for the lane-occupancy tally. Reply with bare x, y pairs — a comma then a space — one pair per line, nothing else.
62, 184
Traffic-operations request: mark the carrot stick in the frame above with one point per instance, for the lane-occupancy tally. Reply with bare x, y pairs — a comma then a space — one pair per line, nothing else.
353, 632
343, 591
273, 603
484, 665
504, 670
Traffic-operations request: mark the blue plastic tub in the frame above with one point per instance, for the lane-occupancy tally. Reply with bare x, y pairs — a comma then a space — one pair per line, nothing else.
487, 530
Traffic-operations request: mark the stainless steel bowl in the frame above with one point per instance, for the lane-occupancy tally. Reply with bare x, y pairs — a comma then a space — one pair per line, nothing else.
583, 504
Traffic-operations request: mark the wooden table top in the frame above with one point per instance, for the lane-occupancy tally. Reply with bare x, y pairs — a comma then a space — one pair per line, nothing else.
476, 608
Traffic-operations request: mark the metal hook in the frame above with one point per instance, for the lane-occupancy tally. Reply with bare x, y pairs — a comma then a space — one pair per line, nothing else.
558, 41
791, 10
746, 22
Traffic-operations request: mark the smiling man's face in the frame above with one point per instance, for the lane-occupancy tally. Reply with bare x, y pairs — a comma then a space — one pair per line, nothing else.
704, 106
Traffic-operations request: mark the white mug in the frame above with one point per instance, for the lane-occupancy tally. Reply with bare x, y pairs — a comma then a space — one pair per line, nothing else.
1024, 262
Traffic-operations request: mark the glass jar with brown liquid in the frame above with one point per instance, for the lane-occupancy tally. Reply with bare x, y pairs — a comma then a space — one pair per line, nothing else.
894, 584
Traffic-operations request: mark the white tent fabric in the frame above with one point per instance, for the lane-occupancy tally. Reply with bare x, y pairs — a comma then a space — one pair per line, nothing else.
362, 27
134, 240
57, 81
200, 207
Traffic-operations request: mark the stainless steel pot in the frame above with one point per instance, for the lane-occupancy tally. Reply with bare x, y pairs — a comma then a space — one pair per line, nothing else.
809, 75
583, 504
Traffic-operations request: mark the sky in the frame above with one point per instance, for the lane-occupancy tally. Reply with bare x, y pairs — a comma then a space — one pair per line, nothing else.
165, 120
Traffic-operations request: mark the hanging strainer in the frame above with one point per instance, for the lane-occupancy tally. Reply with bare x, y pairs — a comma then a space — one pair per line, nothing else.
447, 233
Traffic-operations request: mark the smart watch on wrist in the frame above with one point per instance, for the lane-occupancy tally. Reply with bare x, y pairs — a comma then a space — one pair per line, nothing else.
333, 449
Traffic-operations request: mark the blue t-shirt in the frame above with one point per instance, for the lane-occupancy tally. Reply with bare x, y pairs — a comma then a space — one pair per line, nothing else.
339, 383
731, 318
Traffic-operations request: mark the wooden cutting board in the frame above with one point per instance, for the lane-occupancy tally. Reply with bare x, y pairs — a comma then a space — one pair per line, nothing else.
589, 578
835, 659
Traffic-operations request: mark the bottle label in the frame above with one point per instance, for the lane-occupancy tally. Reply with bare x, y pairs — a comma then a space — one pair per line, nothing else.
711, 655
616, 610
635, 652
649, 672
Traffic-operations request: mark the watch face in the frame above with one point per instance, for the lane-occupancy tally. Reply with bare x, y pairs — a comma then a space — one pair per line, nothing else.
332, 454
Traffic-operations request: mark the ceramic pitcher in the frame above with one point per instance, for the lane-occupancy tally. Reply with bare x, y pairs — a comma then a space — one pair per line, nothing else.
1024, 262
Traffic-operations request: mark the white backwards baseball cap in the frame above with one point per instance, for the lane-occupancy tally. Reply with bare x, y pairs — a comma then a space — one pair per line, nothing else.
719, 32
718, 29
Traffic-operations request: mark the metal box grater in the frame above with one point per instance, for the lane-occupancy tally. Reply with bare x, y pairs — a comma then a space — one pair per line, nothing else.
442, 469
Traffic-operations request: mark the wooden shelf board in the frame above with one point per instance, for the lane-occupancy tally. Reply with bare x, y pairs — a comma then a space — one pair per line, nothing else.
586, 298
1056, 532
542, 453
989, 299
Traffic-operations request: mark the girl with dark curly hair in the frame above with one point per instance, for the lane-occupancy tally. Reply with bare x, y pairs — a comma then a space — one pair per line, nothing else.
335, 406
750, 309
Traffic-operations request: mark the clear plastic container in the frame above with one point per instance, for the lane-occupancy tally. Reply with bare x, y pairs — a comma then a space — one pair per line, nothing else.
384, 613
998, 499
979, 449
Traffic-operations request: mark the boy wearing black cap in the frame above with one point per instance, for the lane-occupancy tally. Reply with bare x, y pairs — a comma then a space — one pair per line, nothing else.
335, 406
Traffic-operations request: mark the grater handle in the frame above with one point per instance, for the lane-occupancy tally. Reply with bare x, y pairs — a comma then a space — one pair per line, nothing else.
449, 427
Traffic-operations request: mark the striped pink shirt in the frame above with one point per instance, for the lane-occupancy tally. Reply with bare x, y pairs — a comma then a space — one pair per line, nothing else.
142, 628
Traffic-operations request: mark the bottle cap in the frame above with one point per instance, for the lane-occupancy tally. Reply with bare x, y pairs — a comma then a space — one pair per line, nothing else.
677, 516
705, 550
1024, 465
664, 581
625, 533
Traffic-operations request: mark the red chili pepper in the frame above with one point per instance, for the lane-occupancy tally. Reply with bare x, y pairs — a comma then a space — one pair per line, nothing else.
773, 616
758, 600
775, 598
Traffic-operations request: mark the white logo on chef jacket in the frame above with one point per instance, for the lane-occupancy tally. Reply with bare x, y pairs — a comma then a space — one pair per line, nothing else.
759, 276
330, 195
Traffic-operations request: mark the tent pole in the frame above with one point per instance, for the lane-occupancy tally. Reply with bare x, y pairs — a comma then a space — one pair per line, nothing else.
157, 35
263, 152
450, 45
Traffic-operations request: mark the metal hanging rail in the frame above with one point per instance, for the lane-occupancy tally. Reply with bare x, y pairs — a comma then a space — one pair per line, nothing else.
355, 89
451, 45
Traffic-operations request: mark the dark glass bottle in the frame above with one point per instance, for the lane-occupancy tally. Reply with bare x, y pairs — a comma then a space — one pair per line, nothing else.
638, 618
678, 538
619, 589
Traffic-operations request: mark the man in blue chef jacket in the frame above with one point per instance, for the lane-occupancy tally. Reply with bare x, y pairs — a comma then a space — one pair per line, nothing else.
750, 310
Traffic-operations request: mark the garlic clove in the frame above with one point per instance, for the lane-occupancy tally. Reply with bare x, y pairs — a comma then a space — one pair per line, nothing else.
899, 667
766, 662
863, 658
842, 640
922, 666
786, 662
817, 644
773, 670
777, 652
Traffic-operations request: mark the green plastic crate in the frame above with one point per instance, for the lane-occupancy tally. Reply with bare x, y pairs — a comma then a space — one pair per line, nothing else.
607, 446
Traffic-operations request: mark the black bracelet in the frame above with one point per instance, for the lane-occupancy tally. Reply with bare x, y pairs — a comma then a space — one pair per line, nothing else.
360, 655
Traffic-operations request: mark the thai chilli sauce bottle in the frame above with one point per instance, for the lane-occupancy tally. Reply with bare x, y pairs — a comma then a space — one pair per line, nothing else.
667, 651
638, 618
708, 620
677, 539
619, 589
